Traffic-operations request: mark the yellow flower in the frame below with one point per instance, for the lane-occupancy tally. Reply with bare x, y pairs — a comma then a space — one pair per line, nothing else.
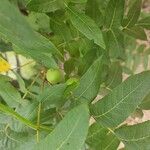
4, 65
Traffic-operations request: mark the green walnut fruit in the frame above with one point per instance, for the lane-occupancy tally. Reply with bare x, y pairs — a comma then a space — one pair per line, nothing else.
54, 76
72, 80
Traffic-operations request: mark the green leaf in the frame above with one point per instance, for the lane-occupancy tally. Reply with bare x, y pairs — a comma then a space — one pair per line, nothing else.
100, 138
45, 5
14, 114
9, 94
145, 23
59, 25
89, 57
73, 48
133, 14
136, 32
25, 40
4, 119
136, 62
114, 40
51, 97
145, 103
114, 13
135, 137
39, 22
92, 10
20, 82
13, 139
114, 77
114, 108
103, 5
27, 111
78, 1
86, 26
70, 133
127, 70
90, 82
140, 49
5, 46
69, 66
62, 30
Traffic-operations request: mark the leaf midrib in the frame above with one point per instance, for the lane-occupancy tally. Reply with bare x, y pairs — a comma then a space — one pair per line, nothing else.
89, 84
113, 15
135, 140
66, 139
48, 3
115, 38
80, 19
115, 74
110, 143
94, 133
119, 102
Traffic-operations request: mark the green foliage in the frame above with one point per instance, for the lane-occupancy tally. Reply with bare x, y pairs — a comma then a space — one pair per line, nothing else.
100, 138
89, 87
9, 93
45, 6
114, 108
134, 141
82, 51
26, 41
74, 127
133, 14
86, 26
114, 14
145, 23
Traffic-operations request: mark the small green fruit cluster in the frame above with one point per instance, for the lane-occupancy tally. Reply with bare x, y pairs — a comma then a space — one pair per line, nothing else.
54, 76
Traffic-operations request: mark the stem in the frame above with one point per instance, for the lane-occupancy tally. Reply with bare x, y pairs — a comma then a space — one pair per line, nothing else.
39, 112
12, 113
7, 135
30, 86
38, 122
23, 65
111, 131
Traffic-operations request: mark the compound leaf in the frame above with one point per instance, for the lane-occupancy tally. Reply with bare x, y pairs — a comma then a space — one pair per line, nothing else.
114, 108
14, 28
114, 13
135, 137
90, 82
70, 133
86, 26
